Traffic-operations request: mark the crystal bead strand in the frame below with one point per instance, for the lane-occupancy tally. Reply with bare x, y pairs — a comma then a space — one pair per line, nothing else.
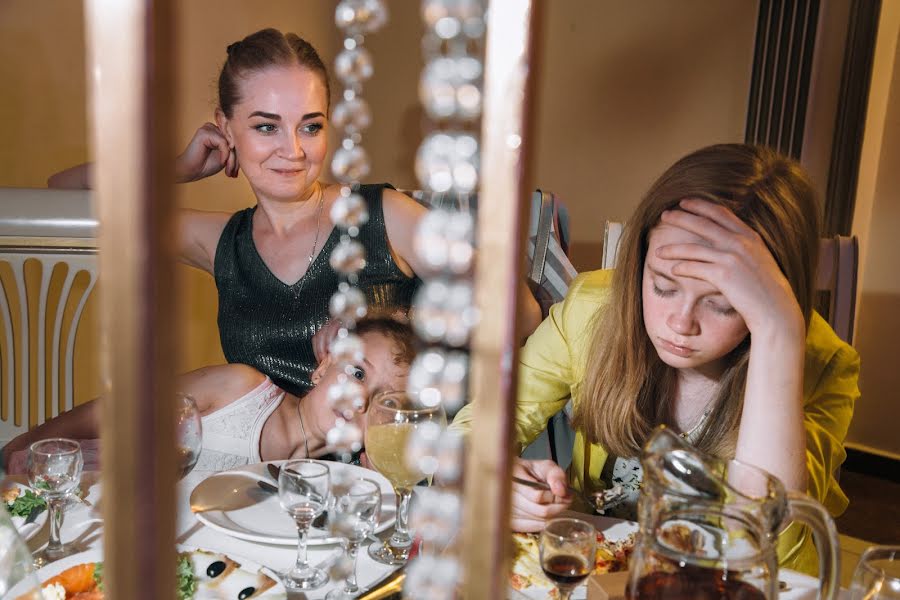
447, 161
350, 164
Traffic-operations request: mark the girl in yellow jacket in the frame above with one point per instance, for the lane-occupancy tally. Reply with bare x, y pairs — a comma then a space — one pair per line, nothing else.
706, 325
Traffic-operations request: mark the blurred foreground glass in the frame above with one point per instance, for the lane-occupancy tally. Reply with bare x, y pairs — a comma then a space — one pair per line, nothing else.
17, 576
54, 472
877, 575
303, 489
188, 433
390, 421
568, 550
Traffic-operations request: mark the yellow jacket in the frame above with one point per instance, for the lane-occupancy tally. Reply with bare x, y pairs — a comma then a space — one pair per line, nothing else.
552, 367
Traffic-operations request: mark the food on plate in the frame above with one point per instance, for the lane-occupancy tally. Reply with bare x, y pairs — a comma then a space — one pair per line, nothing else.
612, 556
21, 504
202, 575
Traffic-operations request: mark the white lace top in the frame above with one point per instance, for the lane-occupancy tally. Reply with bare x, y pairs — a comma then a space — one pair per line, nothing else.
231, 434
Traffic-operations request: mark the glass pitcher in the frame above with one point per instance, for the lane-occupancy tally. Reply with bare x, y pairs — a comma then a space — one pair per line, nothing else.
708, 528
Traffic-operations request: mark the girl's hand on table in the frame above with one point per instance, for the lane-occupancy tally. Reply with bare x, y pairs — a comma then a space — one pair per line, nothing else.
531, 508
736, 261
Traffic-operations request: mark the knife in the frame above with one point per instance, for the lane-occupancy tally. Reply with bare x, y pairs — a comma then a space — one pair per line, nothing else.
37, 510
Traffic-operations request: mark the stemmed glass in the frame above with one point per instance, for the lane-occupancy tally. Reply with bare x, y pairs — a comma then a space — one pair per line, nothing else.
188, 432
568, 550
303, 489
877, 575
54, 471
355, 514
390, 421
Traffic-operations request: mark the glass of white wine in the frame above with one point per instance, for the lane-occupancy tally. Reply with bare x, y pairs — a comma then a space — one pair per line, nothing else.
391, 419
188, 432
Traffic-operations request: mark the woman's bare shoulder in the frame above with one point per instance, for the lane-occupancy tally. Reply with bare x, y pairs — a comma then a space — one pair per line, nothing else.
216, 386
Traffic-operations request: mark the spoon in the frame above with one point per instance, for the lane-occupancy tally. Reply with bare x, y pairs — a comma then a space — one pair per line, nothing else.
225, 492
600, 500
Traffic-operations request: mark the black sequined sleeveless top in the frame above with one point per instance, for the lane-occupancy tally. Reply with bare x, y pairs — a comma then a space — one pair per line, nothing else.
268, 324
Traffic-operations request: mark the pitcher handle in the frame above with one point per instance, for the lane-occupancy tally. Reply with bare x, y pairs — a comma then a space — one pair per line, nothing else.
809, 512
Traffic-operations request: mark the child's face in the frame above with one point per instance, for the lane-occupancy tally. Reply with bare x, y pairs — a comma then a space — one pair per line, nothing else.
690, 323
377, 372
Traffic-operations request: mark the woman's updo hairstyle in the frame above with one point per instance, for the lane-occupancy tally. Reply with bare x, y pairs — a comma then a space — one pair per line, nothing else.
261, 50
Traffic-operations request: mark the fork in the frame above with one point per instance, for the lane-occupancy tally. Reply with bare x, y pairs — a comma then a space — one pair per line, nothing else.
600, 500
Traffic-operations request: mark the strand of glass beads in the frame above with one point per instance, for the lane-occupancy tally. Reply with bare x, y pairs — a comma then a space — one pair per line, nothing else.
350, 164
447, 162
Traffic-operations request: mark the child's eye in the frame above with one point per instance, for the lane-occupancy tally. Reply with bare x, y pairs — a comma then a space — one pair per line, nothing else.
358, 373
661, 292
265, 128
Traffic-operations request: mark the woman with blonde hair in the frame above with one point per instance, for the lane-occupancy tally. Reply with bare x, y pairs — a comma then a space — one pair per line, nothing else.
707, 326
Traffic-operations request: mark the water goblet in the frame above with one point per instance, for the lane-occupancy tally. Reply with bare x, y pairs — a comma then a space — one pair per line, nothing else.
877, 575
355, 514
54, 471
303, 490
188, 433
391, 419
568, 550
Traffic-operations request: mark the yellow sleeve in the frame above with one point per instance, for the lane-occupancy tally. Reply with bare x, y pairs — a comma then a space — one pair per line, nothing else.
830, 389
549, 361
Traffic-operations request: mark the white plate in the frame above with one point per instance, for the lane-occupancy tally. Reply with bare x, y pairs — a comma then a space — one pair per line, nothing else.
28, 531
268, 523
96, 555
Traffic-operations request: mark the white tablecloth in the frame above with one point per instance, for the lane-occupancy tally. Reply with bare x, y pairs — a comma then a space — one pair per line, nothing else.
83, 526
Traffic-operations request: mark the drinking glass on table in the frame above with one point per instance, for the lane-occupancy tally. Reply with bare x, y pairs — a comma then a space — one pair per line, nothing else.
188, 433
355, 514
303, 489
877, 575
54, 471
568, 550
390, 420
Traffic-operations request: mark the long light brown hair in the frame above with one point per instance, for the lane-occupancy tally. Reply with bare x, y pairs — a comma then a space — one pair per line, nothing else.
627, 388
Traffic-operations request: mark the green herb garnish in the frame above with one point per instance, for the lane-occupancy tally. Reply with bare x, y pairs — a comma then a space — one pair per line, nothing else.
25, 503
187, 583
98, 575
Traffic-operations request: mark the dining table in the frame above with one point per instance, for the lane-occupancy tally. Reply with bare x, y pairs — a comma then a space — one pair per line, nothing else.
83, 527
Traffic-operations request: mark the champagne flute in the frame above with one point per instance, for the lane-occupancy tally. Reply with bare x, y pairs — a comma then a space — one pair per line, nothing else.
568, 550
303, 489
188, 433
355, 514
54, 471
390, 420
877, 575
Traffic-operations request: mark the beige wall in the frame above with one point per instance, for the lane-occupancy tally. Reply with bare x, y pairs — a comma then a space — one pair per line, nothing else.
876, 221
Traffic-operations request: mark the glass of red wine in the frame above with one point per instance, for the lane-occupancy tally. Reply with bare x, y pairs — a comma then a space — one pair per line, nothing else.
568, 549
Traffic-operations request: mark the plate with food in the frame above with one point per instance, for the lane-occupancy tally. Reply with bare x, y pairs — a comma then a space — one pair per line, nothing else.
615, 544
27, 509
260, 518
201, 575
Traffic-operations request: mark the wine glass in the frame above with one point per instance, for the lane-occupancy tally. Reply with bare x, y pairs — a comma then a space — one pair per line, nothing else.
877, 575
188, 432
568, 548
54, 471
355, 514
303, 489
390, 420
